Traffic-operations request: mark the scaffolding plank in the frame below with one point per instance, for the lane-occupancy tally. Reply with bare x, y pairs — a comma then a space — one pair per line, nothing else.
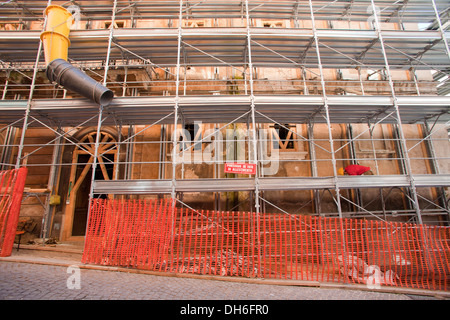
223, 109
159, 45
267, 184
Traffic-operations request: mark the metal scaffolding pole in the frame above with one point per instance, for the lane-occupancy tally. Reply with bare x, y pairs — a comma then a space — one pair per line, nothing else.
326, 108
176, 106
30, 99
330, 136
313, 165
400, 128
441, 29
254, 159
253, 135
435, 166
100, 114
52, 186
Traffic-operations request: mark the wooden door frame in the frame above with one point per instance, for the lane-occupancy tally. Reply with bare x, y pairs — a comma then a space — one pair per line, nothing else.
69, 211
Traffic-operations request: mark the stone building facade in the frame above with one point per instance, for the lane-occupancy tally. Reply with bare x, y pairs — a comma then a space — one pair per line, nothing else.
199, 62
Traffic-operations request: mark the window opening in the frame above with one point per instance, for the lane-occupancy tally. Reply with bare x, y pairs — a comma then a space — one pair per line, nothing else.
283, 137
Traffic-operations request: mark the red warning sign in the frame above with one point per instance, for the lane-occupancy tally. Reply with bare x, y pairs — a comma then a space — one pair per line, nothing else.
240, 168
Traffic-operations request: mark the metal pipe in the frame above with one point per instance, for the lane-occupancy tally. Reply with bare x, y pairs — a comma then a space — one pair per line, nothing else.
395, 104
72, 78
27, 111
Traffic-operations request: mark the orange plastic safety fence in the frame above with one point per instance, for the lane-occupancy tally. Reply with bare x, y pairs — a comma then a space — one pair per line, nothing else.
154, 235
12, 183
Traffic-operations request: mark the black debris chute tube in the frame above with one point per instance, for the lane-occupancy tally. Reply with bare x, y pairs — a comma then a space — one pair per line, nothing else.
72, 78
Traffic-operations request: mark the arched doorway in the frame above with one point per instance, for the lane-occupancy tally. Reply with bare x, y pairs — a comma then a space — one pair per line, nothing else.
77, 203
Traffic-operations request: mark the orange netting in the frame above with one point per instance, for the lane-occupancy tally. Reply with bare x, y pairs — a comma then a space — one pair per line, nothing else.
154, 235
12, 183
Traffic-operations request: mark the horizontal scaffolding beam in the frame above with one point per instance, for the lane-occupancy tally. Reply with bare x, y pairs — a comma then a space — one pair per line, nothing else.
267, 184
223, 109
228, 44
403, 11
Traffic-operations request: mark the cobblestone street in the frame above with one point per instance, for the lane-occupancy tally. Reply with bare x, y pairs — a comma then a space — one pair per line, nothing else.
22, 281
45, 276
55, 273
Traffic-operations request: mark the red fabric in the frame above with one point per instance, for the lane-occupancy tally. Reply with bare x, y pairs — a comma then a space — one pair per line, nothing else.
356, 169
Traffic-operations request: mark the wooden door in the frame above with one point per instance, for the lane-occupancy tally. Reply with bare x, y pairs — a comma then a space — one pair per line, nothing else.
75, 213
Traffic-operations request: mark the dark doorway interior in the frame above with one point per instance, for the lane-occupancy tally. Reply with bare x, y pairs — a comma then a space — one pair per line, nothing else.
82, 199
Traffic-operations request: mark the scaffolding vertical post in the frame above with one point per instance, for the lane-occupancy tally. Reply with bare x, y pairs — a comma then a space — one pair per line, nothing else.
117, 160
330, 137
94, 162
6, 147
30, 98
327, 115
129, 149
100, 116
252, 104
412, 73
377, 170
161, 148
176, 104
441, 29
5, 88
354, 160
361, 82
447, 48
313, 165
52, 185
173, 193
125, 79
434, 163
397, 111
253, 134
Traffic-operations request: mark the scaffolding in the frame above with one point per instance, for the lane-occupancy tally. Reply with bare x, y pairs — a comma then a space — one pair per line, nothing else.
364, 68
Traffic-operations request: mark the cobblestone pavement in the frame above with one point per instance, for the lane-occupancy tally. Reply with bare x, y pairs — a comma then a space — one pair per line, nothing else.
45, 275
173, 297
24, 281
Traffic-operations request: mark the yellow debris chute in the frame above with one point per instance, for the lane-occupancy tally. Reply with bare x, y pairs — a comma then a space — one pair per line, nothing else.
55, 39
